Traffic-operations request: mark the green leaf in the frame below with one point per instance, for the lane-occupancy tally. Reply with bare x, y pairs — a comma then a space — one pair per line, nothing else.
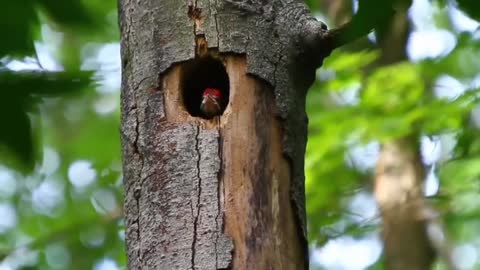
393, 89
67, 12
16, 137
471, 7
18, 23
19, 92
41, 83
349, 62
461, 174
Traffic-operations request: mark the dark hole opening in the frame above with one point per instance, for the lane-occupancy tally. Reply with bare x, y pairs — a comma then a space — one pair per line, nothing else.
199, 74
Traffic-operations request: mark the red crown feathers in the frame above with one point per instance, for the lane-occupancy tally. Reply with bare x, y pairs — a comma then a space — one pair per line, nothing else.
212, 92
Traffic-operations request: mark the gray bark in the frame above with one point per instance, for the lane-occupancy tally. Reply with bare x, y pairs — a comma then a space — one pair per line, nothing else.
173, 170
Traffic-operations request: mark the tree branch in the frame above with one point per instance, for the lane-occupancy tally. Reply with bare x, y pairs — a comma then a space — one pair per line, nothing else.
372, 14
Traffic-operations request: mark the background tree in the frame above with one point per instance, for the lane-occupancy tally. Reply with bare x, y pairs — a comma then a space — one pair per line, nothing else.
392, 126
52, 221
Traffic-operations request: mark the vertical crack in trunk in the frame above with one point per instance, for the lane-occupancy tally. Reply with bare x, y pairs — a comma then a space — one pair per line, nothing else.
138, 188
192, 13
216, 24
199, 188
137, 195
219, 193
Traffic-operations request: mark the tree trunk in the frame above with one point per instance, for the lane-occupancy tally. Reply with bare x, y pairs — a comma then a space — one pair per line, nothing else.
227, 192
399, 193
400, 176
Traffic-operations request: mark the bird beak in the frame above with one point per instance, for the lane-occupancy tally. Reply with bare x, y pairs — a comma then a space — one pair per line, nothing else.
208, 98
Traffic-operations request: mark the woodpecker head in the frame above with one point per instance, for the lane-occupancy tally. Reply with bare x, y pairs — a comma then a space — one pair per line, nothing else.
211, 102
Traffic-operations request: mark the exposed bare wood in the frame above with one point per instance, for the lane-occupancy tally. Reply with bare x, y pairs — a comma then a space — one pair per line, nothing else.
259, 215
255, 178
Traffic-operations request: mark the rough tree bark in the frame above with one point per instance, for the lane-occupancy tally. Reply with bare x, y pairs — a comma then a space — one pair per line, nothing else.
225, 193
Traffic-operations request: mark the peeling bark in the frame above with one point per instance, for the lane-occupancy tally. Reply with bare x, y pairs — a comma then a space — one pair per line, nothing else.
226, 193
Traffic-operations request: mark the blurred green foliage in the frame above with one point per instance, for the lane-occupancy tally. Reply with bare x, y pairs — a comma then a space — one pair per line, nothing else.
20, 25
355, 105
60, 178
64, 211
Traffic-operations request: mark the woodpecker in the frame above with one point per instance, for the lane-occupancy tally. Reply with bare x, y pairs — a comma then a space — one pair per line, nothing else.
211, 102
